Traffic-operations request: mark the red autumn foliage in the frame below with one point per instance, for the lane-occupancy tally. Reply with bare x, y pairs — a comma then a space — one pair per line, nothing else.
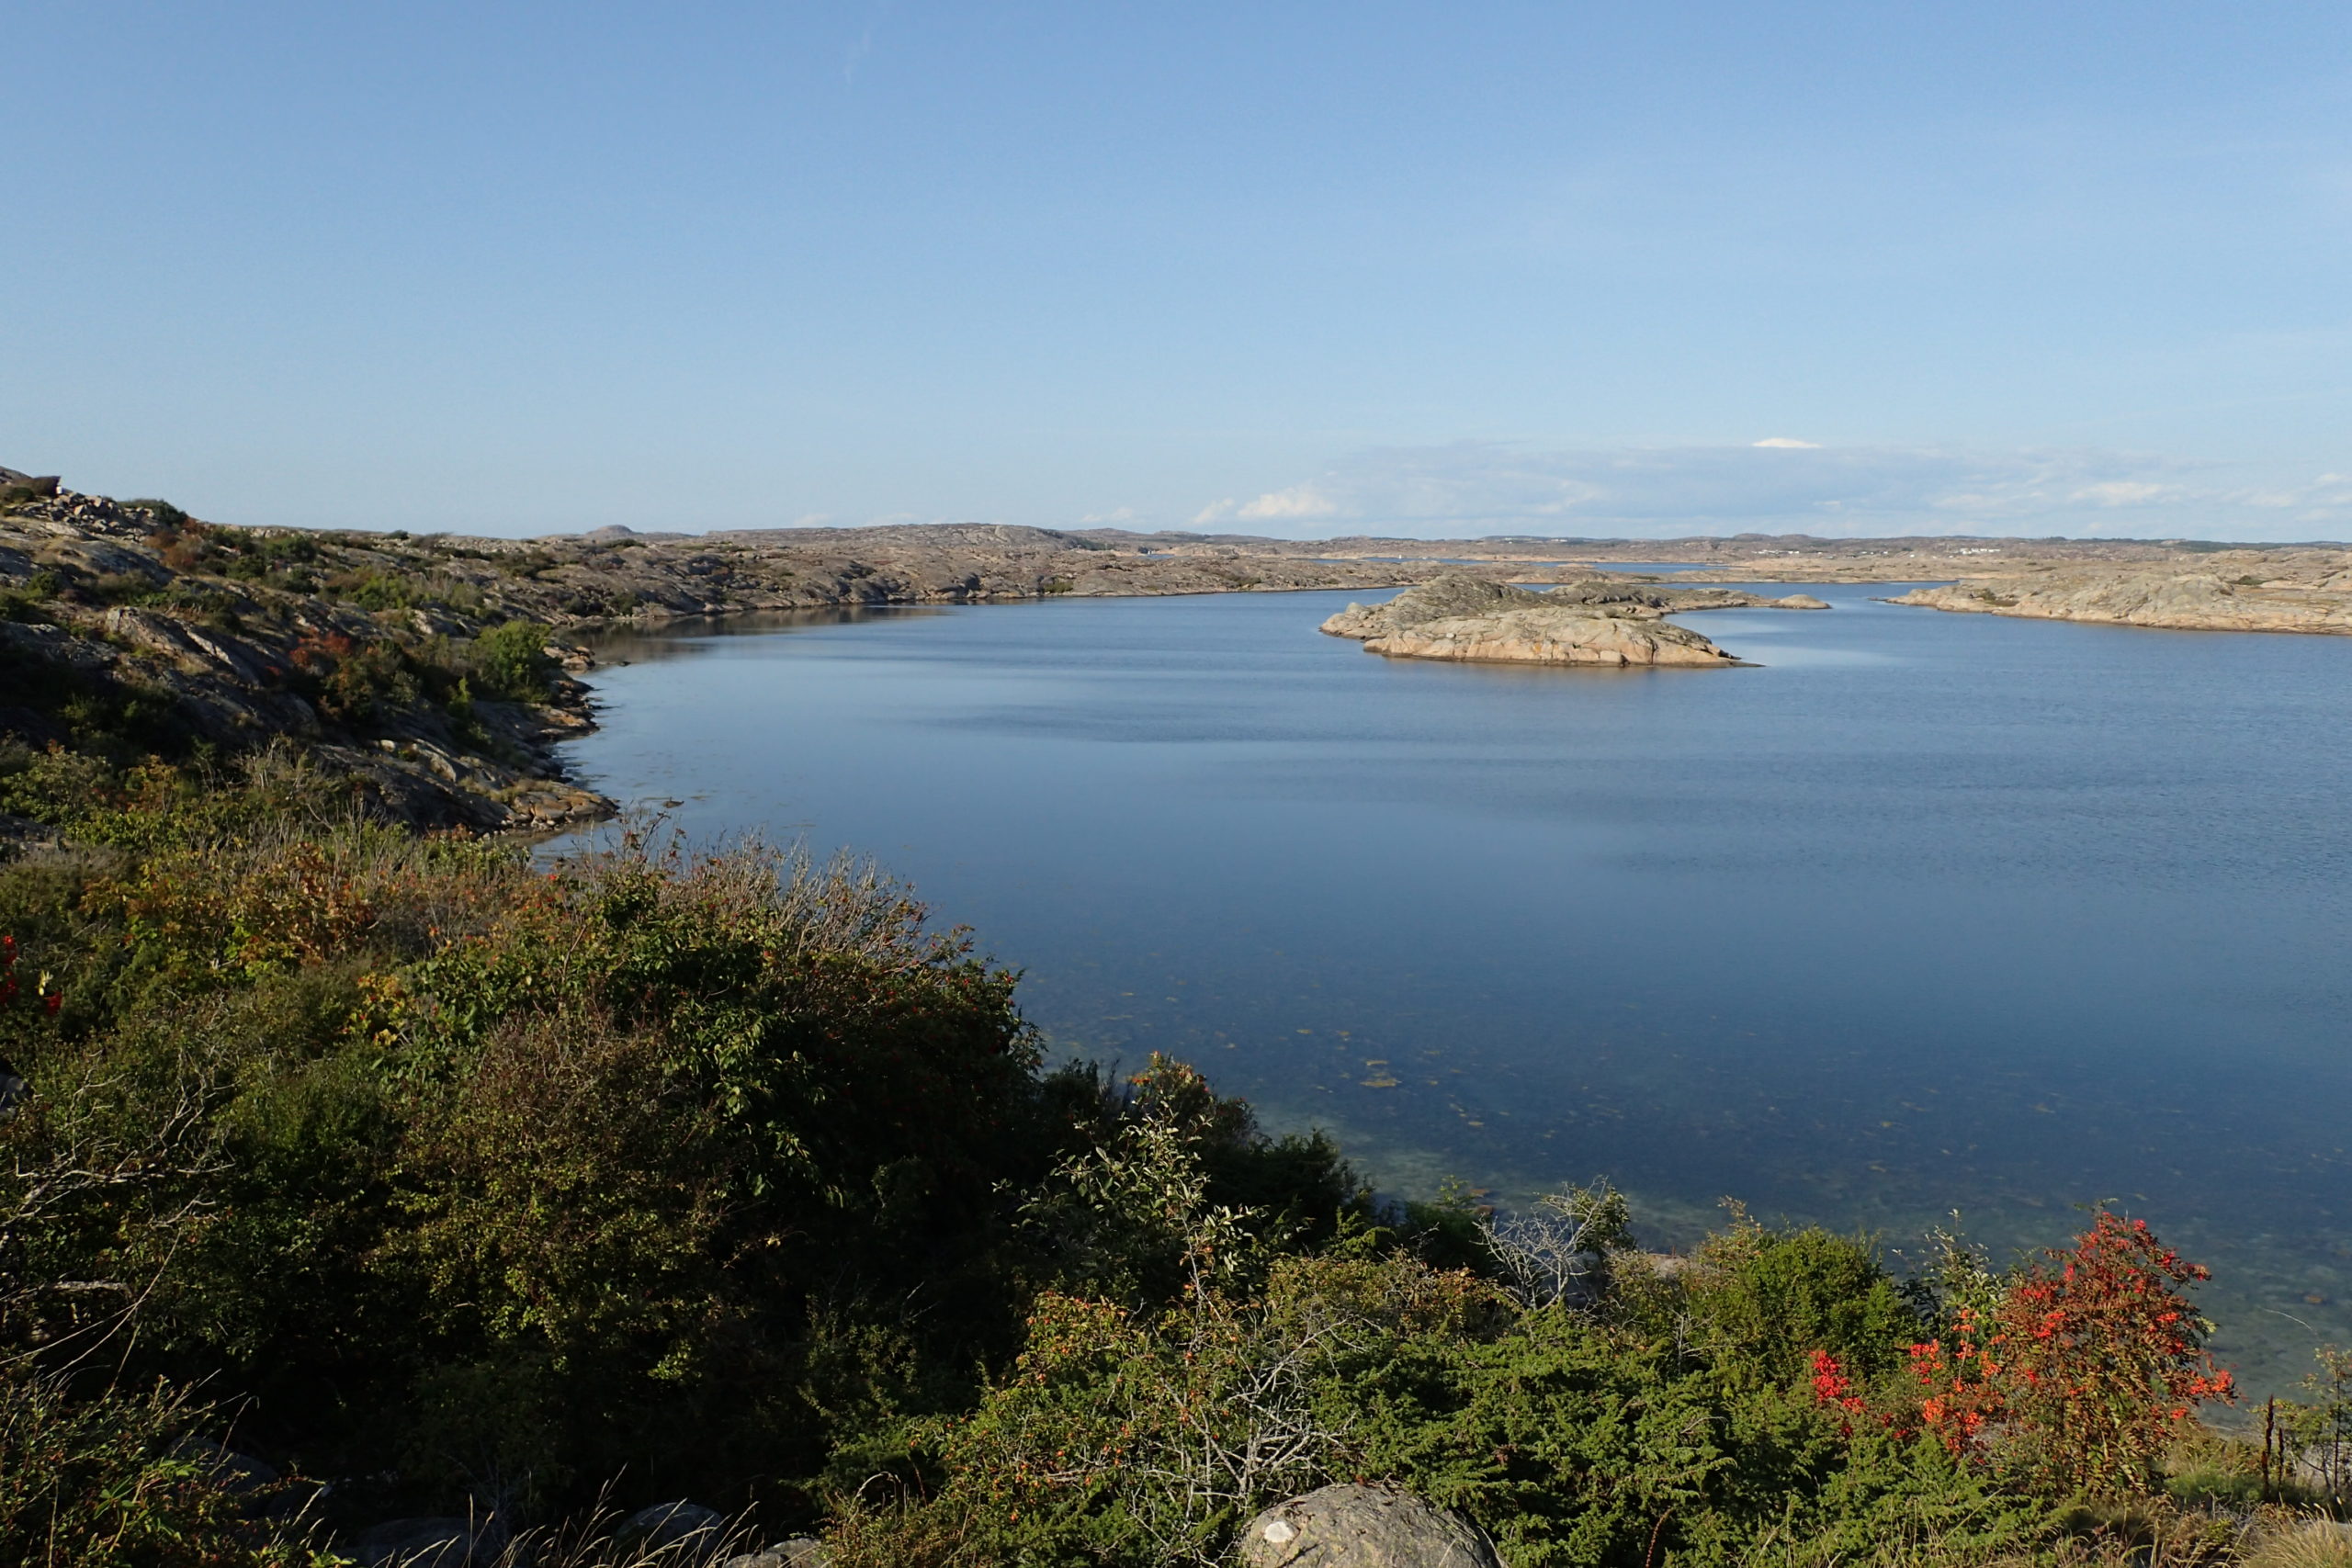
2079, 1376
320, 652
2107, 1356
1960, 1381
1832, 1386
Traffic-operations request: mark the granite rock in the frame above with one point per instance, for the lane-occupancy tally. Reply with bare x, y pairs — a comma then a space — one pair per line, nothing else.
1458, 616
1362, 1527
2231, 591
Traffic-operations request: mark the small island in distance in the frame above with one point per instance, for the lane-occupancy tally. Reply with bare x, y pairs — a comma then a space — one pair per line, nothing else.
1605, 620
616, 575
240, 624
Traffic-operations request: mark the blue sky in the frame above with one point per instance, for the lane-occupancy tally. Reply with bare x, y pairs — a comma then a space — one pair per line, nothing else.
1288, 268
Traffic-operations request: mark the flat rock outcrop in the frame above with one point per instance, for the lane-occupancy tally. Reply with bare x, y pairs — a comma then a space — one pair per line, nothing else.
1454, 596
2233, 590
1552, 637
1458, 616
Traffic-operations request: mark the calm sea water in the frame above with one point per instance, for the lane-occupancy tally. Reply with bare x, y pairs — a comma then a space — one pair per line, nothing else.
1930, 912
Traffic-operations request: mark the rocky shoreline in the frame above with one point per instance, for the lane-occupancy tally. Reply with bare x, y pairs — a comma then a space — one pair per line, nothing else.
223, 625
2247, 591
112, 612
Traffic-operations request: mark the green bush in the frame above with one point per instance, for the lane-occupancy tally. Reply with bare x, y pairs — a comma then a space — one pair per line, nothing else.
723, 1175
2317, 1430
165, 515
125, 1480
373, 680
256, 555
511, 660
1770, 1299
1145, 1435
118, 718
649, 1145
29, 601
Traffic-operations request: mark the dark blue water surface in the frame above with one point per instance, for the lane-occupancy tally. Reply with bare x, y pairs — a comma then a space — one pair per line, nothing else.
1930, 912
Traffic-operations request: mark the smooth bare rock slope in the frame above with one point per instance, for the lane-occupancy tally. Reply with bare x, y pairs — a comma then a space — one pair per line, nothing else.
2236, 591
182, 634
1552, 637
1600, 621
124, 614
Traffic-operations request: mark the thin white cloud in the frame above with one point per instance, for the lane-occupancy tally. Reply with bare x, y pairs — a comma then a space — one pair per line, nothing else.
1783, 485
2125, 493
1296, 503
2327, 500
1299, 503
863, 45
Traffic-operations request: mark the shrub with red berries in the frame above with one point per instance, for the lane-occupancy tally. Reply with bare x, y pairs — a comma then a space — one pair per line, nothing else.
2078, 1377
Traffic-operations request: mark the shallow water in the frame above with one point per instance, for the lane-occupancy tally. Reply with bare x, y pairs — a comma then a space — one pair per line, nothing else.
1930, 912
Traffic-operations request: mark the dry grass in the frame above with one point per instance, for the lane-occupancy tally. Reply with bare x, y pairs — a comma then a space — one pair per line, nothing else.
602, 1540
2312, 1543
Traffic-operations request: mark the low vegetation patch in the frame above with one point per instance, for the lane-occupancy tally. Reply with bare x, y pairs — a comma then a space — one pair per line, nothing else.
352, 1172
461, 1183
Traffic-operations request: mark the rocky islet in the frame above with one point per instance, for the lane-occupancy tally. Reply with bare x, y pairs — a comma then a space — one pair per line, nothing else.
2238, 591
1602, 621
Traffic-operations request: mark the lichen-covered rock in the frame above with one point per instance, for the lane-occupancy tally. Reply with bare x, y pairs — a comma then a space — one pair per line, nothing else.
1362, 1527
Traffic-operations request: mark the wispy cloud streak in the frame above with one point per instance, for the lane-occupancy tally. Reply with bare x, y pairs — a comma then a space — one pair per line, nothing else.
1782, 484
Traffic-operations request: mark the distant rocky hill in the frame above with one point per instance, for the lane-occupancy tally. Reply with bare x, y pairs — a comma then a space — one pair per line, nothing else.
1712, 557
435, 671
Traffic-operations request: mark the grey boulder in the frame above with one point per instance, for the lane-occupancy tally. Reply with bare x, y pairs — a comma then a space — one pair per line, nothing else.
1362, 1527
423, 1543
671, 1525
799, 1551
